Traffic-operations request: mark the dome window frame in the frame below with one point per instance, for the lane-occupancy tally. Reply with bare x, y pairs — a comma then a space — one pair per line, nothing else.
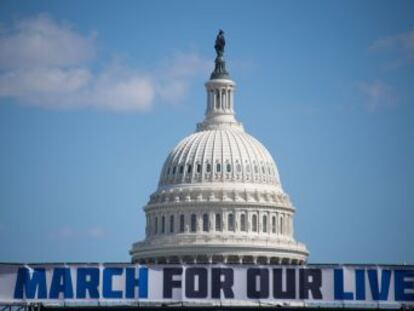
182, 223
264, 223
206, 222
230, 222
162, 224
219, 222
243, 226
228, 168
193, 223
254, 223
172, 229
218, 167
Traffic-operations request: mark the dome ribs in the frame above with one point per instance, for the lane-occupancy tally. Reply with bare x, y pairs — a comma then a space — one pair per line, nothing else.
213, 156
222, 172
203, 159
261, 150
249, 162
187, 160
232, 162
197, 161
181, 163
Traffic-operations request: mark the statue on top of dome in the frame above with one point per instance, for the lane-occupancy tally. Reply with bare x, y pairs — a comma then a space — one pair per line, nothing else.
220, 71
220, 43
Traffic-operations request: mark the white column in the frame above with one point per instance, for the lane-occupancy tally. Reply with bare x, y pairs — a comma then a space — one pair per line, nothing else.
224, 221
214, 101
199, 218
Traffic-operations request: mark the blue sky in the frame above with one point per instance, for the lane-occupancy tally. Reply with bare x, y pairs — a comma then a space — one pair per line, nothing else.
94, 94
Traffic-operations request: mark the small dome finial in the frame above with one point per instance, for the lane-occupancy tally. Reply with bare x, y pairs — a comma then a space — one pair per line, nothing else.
220, 71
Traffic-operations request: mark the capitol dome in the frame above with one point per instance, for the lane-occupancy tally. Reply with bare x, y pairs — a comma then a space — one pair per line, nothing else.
219, 155
219, 197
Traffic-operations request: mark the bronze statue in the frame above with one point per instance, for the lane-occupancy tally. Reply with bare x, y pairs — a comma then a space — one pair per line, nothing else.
220, 43
220, 71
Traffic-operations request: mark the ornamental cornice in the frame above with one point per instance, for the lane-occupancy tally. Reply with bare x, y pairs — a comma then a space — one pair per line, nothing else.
250, 243
238, 196
187, 207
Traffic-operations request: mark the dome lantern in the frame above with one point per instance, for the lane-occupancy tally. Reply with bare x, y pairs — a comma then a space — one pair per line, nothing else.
220, 93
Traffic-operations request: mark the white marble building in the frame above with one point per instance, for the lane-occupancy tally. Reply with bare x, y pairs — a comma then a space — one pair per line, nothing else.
219, 197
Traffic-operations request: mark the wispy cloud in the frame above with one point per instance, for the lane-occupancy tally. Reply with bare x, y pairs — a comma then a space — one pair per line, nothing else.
402, 44
67, 232
377, 95
48, 64
97, 232
176, 73
40, 42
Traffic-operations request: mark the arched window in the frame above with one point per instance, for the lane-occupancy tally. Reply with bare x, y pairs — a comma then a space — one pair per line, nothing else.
189, 168
172, 224
263, 170
205, 222
264, 225
208, 167
174, 170
230, 220
193, 222
228, 167
238, 166
243, 222
182, 223
155, 225
218, 222
163, 224
168, 171
218, 167
198, 168
254, 223
248, 168
274, 224
255, 169
181, 169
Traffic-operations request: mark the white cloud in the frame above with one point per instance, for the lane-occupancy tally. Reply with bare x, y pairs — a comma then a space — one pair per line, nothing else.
43, 80
68, 233
402, 43
176, 73
48, 64
65, 232
377, 95
96, 232
39, 41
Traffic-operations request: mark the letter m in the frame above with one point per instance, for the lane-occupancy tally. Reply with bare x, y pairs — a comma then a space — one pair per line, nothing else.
29, 282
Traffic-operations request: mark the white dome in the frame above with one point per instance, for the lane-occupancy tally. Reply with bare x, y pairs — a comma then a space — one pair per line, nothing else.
219, 197
227, 155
